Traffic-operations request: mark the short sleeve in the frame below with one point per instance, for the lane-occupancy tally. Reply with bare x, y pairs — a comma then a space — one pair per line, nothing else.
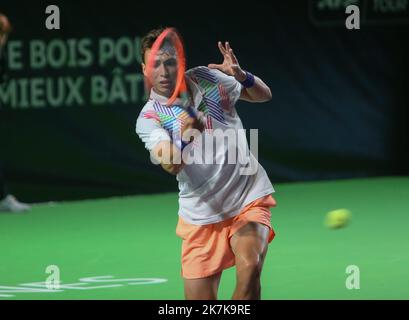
231, 86
149, 129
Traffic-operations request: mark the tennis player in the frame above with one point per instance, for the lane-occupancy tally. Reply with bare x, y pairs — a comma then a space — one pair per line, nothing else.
8, 203
224, 215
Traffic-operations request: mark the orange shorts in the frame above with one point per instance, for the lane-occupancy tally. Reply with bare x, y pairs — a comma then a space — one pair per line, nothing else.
206, 248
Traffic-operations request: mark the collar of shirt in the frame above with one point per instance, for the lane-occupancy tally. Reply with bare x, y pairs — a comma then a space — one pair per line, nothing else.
196, 90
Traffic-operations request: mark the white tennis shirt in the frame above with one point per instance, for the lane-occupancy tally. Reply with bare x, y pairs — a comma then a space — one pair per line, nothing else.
221, 178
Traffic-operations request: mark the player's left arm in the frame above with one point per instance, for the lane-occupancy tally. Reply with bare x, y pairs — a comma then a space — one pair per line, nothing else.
258, 92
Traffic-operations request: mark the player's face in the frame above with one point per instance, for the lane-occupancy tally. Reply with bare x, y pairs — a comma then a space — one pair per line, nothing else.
164, 72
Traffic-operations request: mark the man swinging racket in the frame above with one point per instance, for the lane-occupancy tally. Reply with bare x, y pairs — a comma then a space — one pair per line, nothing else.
224, 214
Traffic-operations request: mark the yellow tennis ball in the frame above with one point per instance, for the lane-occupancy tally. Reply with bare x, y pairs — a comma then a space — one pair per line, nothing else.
338, 218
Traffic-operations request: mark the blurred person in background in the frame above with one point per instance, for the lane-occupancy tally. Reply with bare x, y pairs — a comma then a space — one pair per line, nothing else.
8, 203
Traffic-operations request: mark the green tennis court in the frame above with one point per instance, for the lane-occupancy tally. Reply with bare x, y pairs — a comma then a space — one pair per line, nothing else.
132, 240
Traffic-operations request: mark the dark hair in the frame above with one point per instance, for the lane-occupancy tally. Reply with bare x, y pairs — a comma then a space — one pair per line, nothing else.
148, 40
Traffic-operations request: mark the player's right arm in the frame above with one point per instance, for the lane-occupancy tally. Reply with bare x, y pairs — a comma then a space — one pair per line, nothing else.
169, 156
159, 143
